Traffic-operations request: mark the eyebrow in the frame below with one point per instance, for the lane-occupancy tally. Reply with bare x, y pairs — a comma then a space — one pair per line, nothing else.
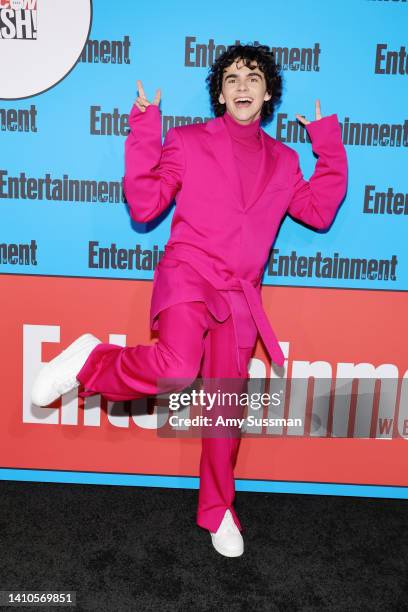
249, 74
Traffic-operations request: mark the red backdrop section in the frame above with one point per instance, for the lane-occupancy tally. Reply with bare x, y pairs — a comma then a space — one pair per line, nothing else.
326, 325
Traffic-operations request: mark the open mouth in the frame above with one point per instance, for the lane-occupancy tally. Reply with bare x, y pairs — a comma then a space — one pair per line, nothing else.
243, 102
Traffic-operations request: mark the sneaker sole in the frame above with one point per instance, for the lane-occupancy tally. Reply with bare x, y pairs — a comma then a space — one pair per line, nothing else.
228, 553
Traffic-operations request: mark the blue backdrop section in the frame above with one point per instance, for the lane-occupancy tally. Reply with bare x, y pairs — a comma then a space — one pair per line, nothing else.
190, 482
163, 53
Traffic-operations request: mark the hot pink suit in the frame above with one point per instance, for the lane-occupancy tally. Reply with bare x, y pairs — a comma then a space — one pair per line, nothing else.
206, 299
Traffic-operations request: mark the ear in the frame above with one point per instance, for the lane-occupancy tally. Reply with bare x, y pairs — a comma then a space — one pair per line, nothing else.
221, 99
267, 96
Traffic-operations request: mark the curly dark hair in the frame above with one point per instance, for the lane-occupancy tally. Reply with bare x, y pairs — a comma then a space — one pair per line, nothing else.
266, 63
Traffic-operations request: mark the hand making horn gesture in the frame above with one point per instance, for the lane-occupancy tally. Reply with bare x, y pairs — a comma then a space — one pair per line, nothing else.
141, 101
318, 114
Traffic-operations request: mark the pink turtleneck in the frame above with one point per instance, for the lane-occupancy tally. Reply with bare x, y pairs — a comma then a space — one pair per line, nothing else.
246, 145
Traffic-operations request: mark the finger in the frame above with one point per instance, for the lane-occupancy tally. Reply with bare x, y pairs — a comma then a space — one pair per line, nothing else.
140, 89
156, 99
139, 106
318, 110
142, 101
303, 119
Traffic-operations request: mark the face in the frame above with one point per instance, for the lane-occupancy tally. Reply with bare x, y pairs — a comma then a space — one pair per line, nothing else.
239, 81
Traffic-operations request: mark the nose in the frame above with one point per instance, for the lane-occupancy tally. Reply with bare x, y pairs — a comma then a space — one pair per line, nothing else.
242, 87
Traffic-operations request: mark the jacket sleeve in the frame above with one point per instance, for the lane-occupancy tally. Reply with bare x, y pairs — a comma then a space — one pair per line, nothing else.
153, 172
316, 201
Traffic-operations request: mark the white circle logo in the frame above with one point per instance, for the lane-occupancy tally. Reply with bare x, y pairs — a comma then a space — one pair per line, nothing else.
40, 43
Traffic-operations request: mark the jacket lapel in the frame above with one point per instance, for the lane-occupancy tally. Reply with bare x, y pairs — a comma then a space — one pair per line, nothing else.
220, 145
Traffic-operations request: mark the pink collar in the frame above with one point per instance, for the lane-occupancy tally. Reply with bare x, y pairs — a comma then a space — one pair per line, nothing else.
239, 130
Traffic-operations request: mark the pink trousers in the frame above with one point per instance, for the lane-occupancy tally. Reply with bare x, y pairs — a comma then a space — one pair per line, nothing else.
191, 342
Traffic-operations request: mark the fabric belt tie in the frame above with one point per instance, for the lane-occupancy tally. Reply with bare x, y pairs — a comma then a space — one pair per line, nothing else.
261, 321
253, 298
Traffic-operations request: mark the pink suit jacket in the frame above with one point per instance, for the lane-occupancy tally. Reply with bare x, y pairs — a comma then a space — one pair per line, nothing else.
218, 243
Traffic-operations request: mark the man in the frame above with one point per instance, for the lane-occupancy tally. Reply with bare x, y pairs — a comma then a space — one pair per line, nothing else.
233, 184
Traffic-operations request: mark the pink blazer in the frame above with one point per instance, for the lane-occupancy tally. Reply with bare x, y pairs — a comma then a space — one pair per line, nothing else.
219, 244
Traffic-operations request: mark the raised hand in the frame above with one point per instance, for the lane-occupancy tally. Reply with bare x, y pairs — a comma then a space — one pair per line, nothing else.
141, 101
318, 114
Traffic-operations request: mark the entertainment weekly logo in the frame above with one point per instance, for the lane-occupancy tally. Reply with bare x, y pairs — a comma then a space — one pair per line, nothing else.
358, 408
60, 30
18, 19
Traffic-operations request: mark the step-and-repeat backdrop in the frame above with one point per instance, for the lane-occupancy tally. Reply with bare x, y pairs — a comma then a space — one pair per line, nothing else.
68, 82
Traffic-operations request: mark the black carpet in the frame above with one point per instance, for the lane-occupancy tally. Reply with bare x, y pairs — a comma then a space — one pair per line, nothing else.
138, 548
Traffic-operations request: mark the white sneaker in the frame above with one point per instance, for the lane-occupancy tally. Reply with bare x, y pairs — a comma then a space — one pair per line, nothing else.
58, 376
228, 540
